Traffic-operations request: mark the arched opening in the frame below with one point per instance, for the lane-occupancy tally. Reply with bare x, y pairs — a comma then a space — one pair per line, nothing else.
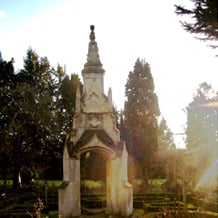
93, 182
94, 173
118, 192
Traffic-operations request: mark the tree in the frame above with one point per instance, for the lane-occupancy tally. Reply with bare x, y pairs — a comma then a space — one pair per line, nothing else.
37, 108
32, 117
165, 137
204, 16
64, 110
27, 114
141, 111
202, 127
7, 82
202, 118
67, 100
165, 146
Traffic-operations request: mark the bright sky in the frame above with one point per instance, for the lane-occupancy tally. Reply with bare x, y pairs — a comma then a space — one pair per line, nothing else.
125, 30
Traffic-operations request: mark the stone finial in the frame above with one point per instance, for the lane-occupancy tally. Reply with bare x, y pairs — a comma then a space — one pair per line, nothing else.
92, 34
93, 57
92, 27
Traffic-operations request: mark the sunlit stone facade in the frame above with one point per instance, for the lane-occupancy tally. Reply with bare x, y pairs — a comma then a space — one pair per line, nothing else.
94, 130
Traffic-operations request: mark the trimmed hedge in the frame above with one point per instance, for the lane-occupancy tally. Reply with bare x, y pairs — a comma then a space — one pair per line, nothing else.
204, 204
17, 205
14, 215
93, 201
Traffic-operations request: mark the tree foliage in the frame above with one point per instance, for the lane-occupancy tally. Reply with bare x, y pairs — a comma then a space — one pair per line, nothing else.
202, 118
67, 100
7, 78
34, 116
165, 137
202, 126
165, 146
140, 114
204, 19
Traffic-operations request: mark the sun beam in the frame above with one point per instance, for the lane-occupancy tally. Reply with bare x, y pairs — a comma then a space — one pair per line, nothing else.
209, 178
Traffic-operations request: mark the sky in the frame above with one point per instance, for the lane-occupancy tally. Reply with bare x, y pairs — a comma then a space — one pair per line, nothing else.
125, 30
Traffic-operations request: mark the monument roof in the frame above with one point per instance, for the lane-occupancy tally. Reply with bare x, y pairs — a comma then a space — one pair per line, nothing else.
100, 133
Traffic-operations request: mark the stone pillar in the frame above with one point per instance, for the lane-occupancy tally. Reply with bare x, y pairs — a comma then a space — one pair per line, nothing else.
69, 192
119, 191
115, 180
126, 193
108, 184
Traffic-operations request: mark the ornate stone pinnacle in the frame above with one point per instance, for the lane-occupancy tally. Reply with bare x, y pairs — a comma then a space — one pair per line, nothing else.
92, 56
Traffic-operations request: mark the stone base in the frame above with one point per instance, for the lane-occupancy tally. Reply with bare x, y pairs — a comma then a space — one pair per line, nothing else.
69, 200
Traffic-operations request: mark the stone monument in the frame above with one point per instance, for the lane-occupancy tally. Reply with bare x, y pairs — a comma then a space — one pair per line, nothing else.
94, 130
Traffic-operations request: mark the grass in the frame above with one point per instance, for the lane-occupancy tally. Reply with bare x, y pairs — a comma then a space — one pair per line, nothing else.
50, 183
93, 184
9, 182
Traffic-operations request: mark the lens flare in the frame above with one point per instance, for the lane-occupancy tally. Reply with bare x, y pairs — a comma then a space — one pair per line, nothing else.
211, 105
209, 179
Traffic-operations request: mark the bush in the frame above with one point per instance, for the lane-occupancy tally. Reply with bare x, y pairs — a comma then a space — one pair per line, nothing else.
92, 187
204, 204
15, 215
93, 201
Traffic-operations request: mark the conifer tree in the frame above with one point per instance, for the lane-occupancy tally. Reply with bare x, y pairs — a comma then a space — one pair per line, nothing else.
165, 137
204, 19
7, 82
202, 127
166, 146
141, 111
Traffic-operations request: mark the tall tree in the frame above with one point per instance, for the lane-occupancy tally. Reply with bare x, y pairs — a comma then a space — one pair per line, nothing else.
141, 111
204, 16
7, 82
37, 107
31, 123
202, 126
29, 115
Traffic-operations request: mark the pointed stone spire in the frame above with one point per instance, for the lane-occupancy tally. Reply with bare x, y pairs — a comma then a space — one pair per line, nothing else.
93, 56
110, 99
78, 100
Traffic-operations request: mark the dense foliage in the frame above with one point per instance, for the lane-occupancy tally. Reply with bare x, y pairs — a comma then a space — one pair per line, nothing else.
36, 113
204, 20
165, 137
160, 160
202, 127
141, 111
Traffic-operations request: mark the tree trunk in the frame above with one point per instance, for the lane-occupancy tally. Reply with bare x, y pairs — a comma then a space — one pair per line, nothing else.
184, 197
145, 180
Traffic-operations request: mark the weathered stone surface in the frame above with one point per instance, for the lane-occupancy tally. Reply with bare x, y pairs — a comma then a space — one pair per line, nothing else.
94, 129
68, 203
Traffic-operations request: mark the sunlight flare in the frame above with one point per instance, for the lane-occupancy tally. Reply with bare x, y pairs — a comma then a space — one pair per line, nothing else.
211, 105
209, 179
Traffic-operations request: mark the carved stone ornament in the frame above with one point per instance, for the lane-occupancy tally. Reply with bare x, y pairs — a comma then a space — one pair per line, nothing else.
94, 122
